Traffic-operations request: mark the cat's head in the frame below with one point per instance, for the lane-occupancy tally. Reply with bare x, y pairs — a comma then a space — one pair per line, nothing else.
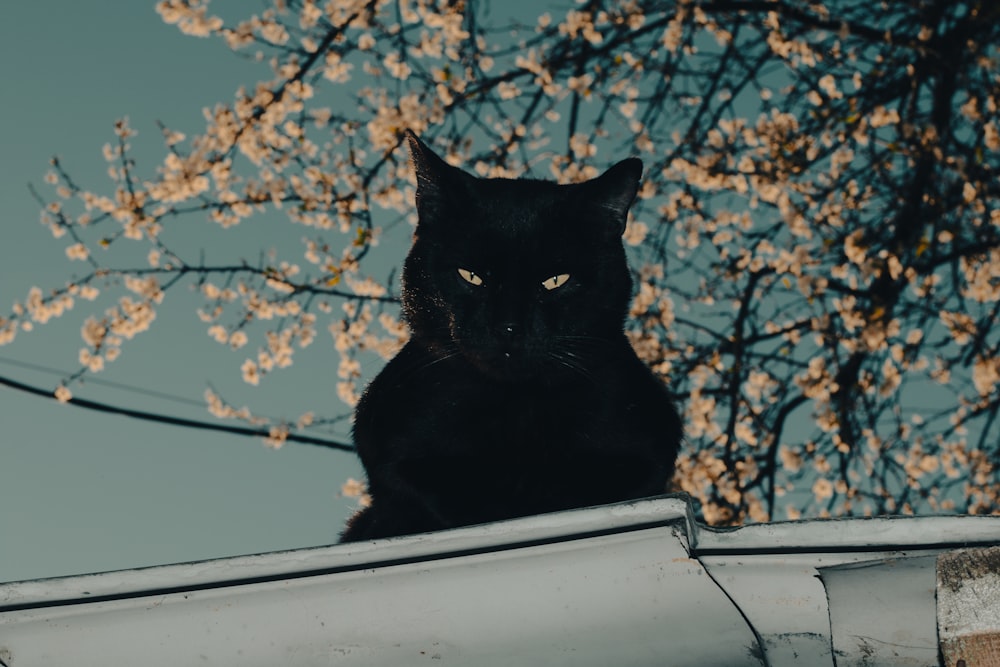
521, 277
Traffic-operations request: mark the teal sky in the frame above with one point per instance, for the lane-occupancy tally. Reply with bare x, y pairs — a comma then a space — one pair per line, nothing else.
84, 492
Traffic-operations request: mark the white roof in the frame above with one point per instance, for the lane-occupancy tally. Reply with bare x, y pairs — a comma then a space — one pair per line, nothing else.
635, 583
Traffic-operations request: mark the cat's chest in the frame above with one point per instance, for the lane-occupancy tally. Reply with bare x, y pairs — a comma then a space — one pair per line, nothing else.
444, 407
454, 412
509, 415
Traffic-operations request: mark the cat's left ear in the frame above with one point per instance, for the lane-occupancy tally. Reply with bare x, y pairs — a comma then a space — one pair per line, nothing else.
615, 189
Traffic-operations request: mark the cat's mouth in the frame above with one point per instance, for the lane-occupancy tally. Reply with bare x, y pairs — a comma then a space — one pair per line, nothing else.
505, 362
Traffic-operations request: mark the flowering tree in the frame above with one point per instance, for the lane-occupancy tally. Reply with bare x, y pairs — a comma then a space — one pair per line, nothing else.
816, 242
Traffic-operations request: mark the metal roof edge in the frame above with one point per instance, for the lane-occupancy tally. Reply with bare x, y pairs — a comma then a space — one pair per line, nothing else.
883, 534
671, 510
875, 534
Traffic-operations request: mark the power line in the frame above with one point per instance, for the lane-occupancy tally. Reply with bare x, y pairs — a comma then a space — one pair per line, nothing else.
105, 383
173, 421
132, 389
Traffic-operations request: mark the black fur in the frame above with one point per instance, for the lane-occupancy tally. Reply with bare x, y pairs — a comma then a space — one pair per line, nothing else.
511, 399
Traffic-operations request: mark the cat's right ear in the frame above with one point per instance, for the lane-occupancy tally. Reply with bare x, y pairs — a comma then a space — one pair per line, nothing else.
426, 163
433, 173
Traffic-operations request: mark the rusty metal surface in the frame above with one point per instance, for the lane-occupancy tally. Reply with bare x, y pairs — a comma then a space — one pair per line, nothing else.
968, 606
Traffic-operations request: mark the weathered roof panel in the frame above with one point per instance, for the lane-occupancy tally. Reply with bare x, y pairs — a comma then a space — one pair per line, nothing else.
627, 584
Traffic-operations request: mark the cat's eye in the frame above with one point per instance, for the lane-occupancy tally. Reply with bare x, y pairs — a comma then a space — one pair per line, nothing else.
555, 281
470, 277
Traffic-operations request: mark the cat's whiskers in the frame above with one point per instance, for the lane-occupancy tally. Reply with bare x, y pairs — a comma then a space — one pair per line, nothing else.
430, 359
572, 362
585, 342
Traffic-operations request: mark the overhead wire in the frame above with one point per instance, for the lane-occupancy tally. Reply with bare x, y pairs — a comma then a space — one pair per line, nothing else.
144, 415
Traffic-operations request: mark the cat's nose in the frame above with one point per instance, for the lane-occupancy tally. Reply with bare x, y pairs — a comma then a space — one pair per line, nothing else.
510, 330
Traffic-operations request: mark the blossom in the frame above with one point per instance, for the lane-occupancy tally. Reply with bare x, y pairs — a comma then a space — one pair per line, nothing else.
238, 339
353, 488
986, 375
77, 251
508, 90
635, 232
822, 488
961, 325
396, 67
968, 193
251, 373
277, 436
189, 15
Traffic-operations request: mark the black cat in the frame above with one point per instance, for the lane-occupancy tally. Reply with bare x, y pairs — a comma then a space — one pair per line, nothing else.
518, 392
